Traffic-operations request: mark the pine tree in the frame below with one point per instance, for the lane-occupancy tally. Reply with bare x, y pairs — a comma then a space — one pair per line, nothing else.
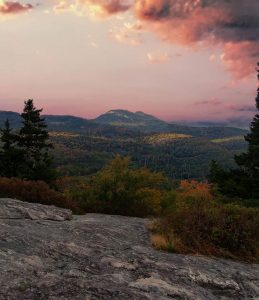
34, 139
249, 161
11, 157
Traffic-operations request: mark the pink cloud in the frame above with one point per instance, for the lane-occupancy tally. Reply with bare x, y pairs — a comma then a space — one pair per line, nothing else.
11, 7
240, 57
158, 58
64, 6
128, 33
232, 24
106, 7
240, 108
226, 106
212, 102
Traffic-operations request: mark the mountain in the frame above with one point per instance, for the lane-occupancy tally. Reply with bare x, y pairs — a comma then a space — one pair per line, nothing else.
150, 124
137, 120
121, 116
13, 117
70, 124
241, 122
54, 122
201, 123
124, 123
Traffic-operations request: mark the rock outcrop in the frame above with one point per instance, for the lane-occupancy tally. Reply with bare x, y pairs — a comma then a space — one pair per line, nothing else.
47, 254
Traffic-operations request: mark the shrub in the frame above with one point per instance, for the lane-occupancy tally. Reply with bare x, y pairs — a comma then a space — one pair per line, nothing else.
236, 229
118, 189
199, 223
239, 201
33, 191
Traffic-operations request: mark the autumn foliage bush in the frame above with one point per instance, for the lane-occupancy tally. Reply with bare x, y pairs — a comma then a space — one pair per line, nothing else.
119, 189
33, 191
194, 221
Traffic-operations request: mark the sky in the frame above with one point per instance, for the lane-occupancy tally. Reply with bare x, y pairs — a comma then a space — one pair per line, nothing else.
175, 59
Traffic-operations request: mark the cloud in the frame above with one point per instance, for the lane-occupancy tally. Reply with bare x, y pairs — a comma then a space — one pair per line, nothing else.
94, 45
232, 24
212, 57
241, 108
158, 58
227, 106
240, 57
64, 6
11, 7
96, 9
129, 33
212, 102
105, 8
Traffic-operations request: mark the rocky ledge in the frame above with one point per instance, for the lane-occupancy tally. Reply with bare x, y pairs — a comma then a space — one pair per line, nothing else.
47, 254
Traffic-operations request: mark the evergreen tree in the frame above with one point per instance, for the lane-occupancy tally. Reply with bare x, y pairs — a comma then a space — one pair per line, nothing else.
34, 139
249, 162
11, 157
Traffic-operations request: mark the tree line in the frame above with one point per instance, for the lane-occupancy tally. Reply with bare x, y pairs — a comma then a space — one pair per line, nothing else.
26, 153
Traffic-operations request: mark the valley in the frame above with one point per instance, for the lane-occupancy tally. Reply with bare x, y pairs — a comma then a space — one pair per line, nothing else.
83, 147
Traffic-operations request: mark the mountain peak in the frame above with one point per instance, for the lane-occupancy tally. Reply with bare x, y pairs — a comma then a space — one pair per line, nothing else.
126, 117
117, 111
139, 112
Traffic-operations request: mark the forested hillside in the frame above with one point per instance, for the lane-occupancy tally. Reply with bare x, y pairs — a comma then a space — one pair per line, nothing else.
180, 157
84, 146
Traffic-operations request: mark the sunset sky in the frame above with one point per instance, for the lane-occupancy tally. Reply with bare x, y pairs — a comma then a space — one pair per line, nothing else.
176, 59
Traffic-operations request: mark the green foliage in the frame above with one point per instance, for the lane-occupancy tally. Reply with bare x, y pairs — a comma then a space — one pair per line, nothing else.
190, 218
11, 156
236, 229
228, 139
165, 137
184, 158
33, 138
234, 183
249, 161
33, 191
119, 189
26, 154
83, 146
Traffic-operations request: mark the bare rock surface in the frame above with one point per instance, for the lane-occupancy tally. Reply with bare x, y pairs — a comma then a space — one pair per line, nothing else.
46, 255
15, 209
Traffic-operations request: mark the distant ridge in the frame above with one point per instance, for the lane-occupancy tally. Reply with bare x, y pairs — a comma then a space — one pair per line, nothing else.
121, 122
69, 123
242, 123
13, 117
